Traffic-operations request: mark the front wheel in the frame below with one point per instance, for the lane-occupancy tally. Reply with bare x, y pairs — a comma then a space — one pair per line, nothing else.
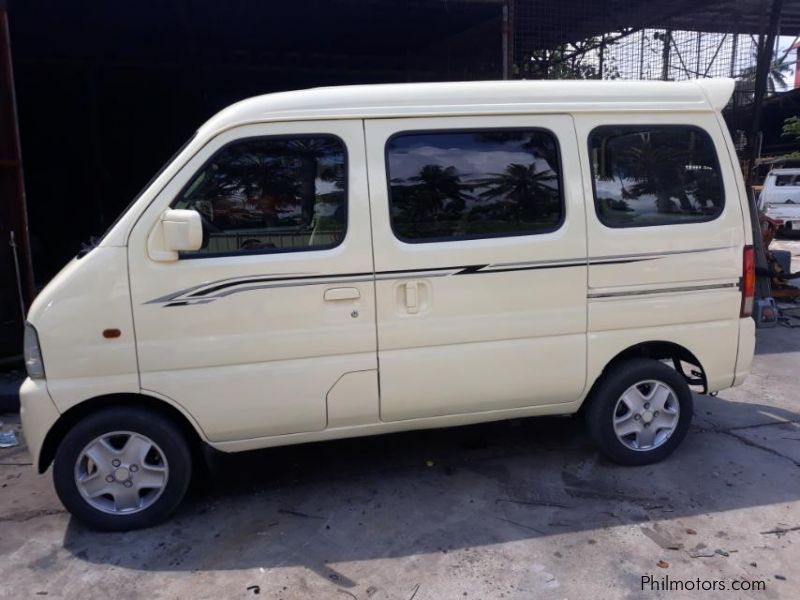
640, 412
122, 468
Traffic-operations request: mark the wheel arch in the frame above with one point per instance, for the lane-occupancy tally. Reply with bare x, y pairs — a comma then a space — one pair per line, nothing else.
658, 350
142, 401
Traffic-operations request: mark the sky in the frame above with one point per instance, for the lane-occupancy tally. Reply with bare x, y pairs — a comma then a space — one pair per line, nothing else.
471, 157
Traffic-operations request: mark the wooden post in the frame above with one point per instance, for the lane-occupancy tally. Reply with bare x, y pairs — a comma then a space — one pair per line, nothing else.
763, 62
16, 268
508, 39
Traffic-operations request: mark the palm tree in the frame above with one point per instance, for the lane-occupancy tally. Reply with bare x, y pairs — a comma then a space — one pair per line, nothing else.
657, 170
309, 151
436, 184
531, 189
779, 70
240, 173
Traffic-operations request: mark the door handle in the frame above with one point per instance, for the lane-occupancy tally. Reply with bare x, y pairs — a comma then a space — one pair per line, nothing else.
343, 293
412, 297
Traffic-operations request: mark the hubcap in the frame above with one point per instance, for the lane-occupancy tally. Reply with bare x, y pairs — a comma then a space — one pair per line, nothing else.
646, 415
121, 472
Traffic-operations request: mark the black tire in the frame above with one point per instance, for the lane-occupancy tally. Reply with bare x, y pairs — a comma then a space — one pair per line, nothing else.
600, 412
170, 440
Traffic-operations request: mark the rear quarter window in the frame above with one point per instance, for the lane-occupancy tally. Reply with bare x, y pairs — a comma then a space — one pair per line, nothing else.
648, 175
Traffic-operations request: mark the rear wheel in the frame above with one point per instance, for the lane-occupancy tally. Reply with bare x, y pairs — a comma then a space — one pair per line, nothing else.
122, 468
640, 412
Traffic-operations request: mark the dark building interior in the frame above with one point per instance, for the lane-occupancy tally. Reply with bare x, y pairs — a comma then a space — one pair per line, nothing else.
108, 91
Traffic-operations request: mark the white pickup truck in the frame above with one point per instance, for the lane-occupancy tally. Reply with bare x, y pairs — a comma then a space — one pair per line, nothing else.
780, 198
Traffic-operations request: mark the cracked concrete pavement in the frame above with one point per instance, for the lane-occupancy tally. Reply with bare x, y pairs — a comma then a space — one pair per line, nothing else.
521, 509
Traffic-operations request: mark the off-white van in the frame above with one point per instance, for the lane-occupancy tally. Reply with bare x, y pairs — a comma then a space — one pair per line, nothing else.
361, 260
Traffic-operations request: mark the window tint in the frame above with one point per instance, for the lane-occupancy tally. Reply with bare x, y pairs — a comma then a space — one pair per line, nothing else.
275, 194
476, 184
655, 175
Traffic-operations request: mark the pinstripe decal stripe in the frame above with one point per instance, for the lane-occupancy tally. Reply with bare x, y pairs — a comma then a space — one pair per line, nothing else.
672, 290
214, 290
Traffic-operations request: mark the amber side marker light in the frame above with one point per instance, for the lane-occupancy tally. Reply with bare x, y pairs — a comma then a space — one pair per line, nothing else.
748, 281
111, 333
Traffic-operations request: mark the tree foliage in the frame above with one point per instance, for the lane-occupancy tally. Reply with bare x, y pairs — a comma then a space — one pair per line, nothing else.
791, 127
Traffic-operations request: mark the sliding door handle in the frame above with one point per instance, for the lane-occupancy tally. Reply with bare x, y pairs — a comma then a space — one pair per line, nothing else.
344, 293
412, 297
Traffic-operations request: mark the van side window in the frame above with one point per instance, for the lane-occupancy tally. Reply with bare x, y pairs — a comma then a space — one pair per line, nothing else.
456, 185
271, 194
648, 175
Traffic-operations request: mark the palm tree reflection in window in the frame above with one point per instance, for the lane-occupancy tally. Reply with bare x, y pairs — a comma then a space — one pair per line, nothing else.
654, 175
438, 187
460, 185
531, 190
264, 194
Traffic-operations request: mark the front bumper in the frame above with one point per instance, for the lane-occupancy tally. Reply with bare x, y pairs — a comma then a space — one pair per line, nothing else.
38, 414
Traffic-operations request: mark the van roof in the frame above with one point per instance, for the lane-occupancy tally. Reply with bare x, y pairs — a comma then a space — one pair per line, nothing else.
471, 97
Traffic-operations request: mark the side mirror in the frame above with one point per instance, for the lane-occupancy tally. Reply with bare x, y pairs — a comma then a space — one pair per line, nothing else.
177, 231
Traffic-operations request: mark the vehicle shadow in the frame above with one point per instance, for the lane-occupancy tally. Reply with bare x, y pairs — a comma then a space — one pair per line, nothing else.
429, 492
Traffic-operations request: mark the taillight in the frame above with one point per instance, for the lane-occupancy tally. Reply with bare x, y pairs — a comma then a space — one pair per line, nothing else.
748, 281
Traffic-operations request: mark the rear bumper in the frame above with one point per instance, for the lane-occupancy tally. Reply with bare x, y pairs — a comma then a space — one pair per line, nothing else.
38, 414
747, 346
784, 217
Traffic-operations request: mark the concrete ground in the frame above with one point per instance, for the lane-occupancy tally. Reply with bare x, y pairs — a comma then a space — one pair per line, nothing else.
521, 509
793, 246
